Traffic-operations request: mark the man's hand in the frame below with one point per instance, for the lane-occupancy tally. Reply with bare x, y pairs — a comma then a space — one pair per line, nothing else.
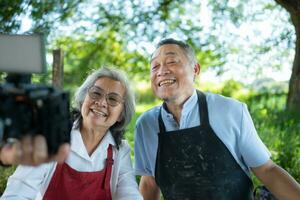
31, 151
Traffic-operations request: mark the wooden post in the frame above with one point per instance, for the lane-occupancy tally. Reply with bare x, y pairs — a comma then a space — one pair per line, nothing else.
58, 68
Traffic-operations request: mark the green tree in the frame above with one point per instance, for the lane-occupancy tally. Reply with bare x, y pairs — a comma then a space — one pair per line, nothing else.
84, 54
293, 99
44, 14
96, 32
288, 36
115, 33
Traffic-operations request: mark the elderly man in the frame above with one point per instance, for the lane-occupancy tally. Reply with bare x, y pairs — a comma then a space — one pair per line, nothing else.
199, 145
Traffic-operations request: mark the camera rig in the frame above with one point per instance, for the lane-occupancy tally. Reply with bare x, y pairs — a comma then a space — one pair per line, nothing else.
30, 109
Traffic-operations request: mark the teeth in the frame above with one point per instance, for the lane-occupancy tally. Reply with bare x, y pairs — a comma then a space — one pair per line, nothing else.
169, 81
99, 113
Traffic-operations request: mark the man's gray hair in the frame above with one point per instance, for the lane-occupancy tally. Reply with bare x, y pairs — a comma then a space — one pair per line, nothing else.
187, 49
119, 128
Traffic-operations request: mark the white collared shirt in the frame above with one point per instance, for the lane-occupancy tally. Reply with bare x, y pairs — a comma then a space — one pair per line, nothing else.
32, 182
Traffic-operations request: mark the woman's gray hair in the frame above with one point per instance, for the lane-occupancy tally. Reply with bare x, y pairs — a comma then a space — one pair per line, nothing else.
119, 128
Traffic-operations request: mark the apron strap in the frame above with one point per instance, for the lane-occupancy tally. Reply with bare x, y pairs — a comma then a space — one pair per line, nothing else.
108, 167
162, 128
203, 110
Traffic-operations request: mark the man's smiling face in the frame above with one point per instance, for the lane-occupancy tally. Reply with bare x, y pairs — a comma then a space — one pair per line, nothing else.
172, 74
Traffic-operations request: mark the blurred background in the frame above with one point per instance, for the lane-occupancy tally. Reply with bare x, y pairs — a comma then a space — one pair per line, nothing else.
248, 49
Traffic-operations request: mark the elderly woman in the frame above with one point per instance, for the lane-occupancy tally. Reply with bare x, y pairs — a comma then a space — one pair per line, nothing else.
99, 165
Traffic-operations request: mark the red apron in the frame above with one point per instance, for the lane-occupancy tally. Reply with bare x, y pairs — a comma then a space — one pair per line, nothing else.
67, 183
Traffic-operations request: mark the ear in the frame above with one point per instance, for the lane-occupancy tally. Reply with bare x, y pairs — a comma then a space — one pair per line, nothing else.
197, 69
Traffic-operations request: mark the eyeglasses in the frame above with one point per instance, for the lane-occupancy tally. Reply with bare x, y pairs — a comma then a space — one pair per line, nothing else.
97, 94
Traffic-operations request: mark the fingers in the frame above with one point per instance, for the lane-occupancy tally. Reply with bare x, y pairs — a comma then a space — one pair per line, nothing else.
31, 151
40, 151
35, 151
27, 151
11, 153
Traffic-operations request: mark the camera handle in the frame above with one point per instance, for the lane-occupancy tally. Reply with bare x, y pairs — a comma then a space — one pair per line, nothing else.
17, 79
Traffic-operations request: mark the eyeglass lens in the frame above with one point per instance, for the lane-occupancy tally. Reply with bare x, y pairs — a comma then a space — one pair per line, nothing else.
97, 94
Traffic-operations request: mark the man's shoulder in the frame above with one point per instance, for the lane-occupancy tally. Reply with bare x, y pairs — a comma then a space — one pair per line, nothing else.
217, 99
221, 104
149, 115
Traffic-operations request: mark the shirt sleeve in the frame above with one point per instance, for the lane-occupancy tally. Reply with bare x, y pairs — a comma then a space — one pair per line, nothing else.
26, 182
146, 142
253, 150
127, 187
139, 150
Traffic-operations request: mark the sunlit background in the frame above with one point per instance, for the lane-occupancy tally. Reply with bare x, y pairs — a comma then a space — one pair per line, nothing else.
246, 49
252, 40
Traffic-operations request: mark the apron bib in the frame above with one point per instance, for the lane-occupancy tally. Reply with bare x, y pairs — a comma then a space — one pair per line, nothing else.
194, 164
68, 183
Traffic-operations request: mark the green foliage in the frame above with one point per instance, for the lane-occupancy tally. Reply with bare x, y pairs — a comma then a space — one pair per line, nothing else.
120, 37
43, 13
144, 94
240, 28
84, 54
230, 87
129, 135
279, 129
288, 155
229, 11
8, 13
114, 33
4, 173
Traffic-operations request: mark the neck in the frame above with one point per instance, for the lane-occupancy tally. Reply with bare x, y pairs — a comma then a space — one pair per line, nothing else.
175, 106
175, 110
92, 138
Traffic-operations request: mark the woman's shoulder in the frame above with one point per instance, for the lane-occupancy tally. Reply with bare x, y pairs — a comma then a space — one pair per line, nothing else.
124, 148
124, 145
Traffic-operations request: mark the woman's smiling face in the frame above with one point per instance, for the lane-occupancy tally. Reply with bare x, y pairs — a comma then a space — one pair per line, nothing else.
97, 112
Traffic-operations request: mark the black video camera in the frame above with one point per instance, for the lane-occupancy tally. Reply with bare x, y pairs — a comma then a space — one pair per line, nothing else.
25, 108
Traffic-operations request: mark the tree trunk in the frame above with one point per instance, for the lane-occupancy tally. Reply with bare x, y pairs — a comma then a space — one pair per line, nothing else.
58, 68
293, 99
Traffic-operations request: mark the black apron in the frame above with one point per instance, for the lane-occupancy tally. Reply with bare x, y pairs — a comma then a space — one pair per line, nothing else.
194, 164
